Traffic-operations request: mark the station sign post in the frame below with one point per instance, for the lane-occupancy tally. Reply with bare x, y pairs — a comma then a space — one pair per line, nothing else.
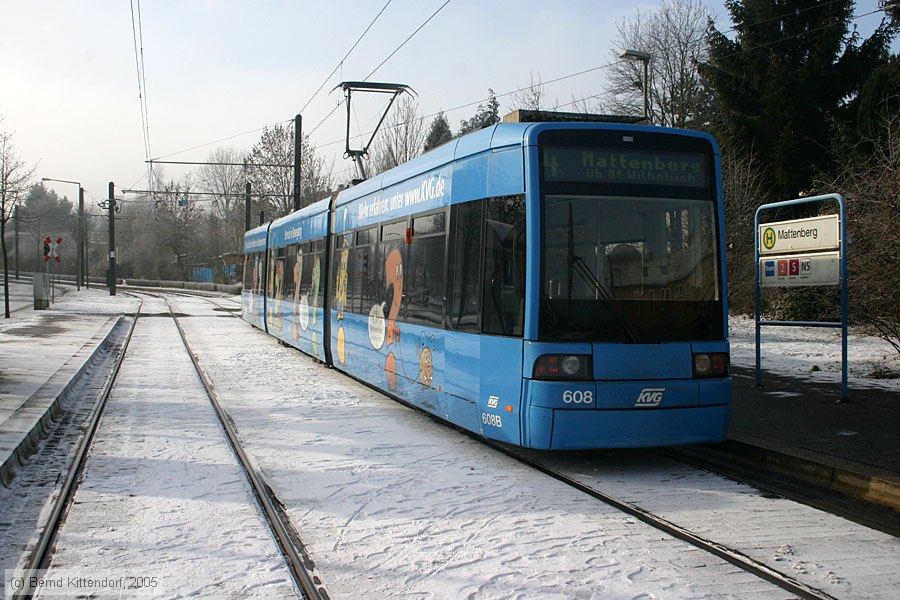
803, 252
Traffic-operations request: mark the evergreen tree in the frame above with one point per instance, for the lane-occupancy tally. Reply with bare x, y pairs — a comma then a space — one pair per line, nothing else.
439, 133
486, 115
785, 79
44, 213
879, 100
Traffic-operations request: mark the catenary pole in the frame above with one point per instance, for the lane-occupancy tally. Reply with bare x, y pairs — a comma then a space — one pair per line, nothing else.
16, 217
80, 279
298, 139
112, 239
247, 207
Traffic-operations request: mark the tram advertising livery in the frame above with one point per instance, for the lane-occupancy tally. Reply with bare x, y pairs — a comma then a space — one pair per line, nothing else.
550, 285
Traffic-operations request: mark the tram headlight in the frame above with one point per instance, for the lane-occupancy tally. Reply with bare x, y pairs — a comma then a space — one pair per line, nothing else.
563, 366
571, 365
711, 364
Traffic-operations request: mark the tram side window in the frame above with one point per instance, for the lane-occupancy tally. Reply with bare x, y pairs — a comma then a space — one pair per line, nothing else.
504, 266
289, 279
390, 276
465, 261
369, 275
316, 261
303, 264
247, 274
362, 254
272, 273
341, 270
280, 268
255, 276
424, 277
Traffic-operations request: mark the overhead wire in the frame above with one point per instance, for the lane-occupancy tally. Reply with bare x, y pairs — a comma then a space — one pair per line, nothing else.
474, 103
144, 84
324, 82
391, 55
141, 80
382, 63
610, 64
341, 62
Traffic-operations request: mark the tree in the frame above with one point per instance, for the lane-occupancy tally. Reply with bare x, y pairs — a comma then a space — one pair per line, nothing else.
743, 190
878, 101
785, 79
871, 184
584, 105
224, 178
316, 175
532, 95
270, 170
44, 213
177, 219
438, 133
486, 115
400, 139
892, 8
673, 35
15, 175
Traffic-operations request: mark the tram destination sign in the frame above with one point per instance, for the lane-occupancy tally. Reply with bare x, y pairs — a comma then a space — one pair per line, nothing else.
796, 270
628, 166
801, 235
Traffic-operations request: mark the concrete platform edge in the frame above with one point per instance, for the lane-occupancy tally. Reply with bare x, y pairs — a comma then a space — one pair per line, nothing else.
851, 479
15, 457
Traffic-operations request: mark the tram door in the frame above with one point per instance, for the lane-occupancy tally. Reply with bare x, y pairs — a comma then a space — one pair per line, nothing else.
502, 318
486, 308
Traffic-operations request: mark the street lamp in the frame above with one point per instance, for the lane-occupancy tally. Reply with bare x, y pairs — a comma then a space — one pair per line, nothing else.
644, 57
81, 229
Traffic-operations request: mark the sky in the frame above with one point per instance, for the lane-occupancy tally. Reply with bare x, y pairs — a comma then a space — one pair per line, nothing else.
216, 69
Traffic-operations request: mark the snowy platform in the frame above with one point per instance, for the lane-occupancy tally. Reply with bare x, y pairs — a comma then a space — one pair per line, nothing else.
42, 354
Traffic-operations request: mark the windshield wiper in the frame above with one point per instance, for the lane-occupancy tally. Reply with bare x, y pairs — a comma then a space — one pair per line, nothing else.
577, 264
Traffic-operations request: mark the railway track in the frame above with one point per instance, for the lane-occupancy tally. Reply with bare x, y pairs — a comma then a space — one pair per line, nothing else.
301, 567
873, 516
731, 555
741, 554
311, 582
39, 556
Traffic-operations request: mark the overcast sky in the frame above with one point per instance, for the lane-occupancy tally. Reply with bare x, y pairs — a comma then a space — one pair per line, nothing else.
216, 68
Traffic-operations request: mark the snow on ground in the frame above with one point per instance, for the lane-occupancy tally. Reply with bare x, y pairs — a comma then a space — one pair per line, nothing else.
392, 504
162, 496
815, 353
383, 496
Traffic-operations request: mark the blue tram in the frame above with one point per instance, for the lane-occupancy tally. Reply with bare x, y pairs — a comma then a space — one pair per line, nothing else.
550, 285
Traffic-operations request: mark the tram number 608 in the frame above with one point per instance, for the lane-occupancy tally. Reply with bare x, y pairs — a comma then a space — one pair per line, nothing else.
578, 397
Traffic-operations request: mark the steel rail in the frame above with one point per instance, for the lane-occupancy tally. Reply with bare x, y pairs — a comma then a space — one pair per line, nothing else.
298, 560
40, 555
732, 556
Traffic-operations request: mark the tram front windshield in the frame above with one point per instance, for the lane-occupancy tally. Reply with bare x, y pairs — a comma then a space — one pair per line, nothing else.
637, 266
